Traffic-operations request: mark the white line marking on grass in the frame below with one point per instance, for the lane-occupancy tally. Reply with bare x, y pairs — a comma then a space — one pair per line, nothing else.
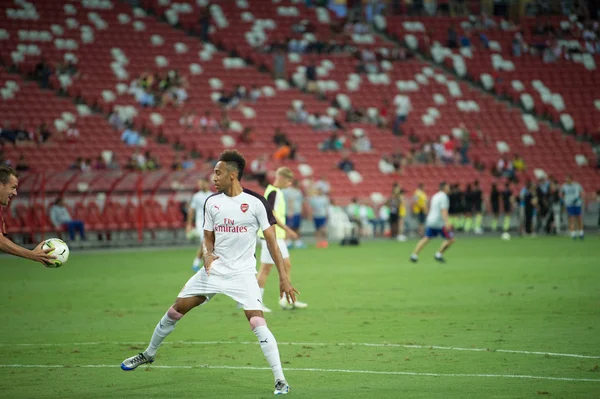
449, 348
317, 370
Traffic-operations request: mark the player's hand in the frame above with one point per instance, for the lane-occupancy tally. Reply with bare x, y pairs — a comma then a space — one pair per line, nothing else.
292, 235
42, 255
286, 289
208, 260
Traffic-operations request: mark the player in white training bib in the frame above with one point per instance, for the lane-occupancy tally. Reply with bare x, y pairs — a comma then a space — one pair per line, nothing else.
437, 223
232, 218
196, 214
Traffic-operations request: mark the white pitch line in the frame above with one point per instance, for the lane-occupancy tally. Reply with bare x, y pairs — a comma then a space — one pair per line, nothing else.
449, 348
317, 370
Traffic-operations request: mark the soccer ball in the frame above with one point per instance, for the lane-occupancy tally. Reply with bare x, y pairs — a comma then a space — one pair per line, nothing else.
505, 236
61, 251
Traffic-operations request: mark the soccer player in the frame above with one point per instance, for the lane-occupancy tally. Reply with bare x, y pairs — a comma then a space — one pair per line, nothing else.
196, 211
420, 208
294, 201
274, 196
9, 180
572, 194
232, 218
477, 201
508, 200
319, 203
437, 223
495, 203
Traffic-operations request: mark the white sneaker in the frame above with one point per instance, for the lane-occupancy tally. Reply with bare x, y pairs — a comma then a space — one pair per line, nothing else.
133, 362
285, 305
266, 309
300, 305
281, 387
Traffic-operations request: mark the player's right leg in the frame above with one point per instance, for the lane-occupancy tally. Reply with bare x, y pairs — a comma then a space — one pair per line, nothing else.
196, 291
579, 219
198, 260
445, 245
165, 326
263, 273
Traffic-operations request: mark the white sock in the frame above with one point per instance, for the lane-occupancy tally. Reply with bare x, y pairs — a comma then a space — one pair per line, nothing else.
581, 233
197, 261
268, 344
164, 327
573, 233
438, 254
414, 256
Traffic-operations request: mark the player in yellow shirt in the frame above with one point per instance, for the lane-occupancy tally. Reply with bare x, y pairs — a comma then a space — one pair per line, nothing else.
420, 208
283, 179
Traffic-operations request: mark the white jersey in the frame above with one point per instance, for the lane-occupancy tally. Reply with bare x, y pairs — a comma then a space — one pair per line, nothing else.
293, 200
235, 222
197, 204
572, 194
439, 202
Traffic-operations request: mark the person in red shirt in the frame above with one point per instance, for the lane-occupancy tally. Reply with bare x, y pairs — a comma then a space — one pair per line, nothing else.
9, 180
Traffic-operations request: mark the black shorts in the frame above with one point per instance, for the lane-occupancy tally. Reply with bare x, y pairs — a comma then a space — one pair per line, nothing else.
420, 217
495, 207
394, 217
477, 207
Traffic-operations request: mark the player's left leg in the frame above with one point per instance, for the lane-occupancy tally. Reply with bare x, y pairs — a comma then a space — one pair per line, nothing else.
445, 245
261, 277
268, 344
579, 219
199, 259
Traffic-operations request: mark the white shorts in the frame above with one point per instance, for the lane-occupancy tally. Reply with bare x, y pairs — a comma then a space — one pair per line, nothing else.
242, 288
265, 255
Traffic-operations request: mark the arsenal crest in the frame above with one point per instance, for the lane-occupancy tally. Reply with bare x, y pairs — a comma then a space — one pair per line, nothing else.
244, 207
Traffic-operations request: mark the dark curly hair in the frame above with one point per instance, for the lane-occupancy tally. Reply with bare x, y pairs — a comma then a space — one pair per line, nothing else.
234, 161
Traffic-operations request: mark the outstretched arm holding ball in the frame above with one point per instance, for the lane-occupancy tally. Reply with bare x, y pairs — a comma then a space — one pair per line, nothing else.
9, 181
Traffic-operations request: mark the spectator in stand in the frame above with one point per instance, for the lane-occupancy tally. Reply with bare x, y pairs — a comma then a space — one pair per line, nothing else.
280, 138
72, 133
86, 165
282, 152
225, 121
187, 120
42, 73
208, 122
333, 143
177, 165
139, 160
465, 40
452, 40
345, 164
130, 136
361, 142
279, 61
100, 164
114, 119
188, 163
161, 138
43, 133
22, 165
311, 77
258, 168
151, 162
255, 94
518, 163
385, 165
246, 136
61, 219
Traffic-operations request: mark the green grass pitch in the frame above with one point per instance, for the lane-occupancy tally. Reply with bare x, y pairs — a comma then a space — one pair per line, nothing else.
473, 328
